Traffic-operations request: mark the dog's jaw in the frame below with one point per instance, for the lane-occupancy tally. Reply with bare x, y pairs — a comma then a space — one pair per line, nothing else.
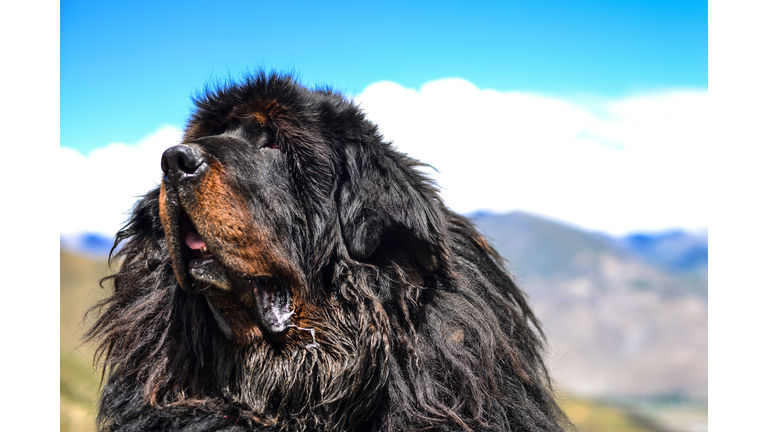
247, 284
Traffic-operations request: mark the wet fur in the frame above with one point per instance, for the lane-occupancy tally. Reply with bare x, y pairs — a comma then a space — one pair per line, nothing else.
418, 325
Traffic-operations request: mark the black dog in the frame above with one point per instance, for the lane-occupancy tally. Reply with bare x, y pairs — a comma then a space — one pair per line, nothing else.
295, 272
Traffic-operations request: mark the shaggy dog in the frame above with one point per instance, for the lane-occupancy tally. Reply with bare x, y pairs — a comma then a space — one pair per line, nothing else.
295, 272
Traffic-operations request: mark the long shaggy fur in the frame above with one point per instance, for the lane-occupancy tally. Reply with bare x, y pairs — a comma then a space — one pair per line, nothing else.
403, 317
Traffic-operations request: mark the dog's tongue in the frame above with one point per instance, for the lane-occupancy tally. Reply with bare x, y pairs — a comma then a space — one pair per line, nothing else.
194, 241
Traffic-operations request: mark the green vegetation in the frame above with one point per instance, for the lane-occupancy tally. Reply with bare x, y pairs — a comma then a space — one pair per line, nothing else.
78, 390
79, 382
589, 416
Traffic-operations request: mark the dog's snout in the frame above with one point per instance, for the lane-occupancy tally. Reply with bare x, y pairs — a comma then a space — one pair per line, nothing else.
182, 161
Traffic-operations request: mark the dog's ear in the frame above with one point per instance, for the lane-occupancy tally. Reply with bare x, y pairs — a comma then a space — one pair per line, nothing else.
385, 200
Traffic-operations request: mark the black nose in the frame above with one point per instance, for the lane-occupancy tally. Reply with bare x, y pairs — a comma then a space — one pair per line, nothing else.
182, 161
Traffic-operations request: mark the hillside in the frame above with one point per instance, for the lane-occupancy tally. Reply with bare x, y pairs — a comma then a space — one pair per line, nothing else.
79, 289
619, 323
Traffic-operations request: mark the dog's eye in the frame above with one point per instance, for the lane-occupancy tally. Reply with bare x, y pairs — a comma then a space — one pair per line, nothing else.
273, 145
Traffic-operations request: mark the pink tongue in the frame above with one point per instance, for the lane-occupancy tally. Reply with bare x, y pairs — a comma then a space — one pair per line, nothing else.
194, 241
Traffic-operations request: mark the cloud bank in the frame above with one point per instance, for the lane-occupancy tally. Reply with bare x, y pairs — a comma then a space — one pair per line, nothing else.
611, 165
99, 190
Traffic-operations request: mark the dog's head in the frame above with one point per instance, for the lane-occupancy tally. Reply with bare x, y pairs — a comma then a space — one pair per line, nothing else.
293, 268
270, 184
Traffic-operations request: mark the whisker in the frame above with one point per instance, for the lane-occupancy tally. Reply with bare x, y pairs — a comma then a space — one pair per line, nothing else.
311, 331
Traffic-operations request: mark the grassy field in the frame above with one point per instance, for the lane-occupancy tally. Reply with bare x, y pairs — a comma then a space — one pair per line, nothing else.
80, 379
589, 416
78, 386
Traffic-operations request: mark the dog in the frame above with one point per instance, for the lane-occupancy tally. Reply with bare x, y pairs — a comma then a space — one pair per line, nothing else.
293, 271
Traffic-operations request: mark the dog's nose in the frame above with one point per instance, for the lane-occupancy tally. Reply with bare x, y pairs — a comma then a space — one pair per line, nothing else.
181, 161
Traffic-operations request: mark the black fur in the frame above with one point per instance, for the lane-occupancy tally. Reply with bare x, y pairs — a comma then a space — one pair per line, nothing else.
417, 326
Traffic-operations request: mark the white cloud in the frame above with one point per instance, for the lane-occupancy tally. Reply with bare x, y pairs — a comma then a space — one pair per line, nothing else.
99, 190
635, 163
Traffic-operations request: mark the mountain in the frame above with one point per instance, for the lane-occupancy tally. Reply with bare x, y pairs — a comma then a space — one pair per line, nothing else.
675, 250
538, 248
624, 316
90, 244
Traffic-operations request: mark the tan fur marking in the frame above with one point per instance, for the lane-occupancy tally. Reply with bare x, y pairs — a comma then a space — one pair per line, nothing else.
483, 243
165, 219
222, 218
453, 335
260, 118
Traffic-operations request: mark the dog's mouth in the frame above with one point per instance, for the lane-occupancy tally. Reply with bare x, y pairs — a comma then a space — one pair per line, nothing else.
201, 267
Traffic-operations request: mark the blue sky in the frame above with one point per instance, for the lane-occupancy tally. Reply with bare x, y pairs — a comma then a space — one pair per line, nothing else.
591, 112
129, 67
